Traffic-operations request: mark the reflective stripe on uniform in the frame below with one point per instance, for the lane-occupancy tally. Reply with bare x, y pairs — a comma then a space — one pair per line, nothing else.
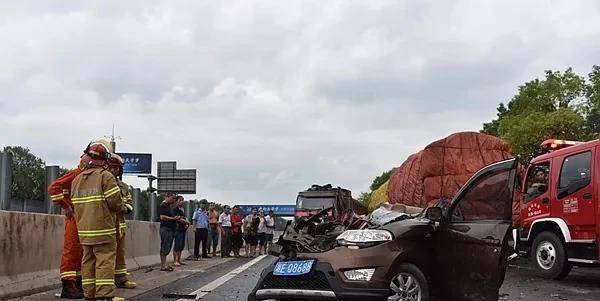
68, 274
121, 271
56, 197
88, 281
88, 199
123, 225
90, 233
111, 191
110, 281
95, 198
129, 207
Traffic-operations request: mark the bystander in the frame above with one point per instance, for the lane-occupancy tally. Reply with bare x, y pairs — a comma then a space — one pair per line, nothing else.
182, 226
200, 219
213, 229
168, 224
270, 224
250, 226
261, 234
225, 223
236, 231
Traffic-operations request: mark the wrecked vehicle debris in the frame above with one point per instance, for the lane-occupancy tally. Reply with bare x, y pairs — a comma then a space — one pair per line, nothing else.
318, 197
458, 253
317, 233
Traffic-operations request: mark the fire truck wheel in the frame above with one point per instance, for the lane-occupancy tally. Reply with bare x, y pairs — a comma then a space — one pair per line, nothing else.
549, 256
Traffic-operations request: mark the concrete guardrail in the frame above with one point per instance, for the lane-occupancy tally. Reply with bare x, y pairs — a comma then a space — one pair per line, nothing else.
31, 248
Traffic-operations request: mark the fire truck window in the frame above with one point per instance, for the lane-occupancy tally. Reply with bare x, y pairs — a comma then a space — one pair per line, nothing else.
575, 173
537, 181
489, 199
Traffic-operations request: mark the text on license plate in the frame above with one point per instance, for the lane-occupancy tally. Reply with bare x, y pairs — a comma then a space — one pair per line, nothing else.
292, 268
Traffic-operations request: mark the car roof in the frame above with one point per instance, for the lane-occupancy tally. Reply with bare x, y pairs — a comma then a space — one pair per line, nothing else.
566, 150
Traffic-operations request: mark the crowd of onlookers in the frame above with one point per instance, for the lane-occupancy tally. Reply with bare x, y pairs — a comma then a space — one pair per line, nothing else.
254, 231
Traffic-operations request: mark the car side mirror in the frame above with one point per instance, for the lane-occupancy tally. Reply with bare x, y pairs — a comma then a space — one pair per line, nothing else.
434, 214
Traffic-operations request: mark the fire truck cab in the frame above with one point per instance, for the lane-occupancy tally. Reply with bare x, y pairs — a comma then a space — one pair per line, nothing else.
560, 213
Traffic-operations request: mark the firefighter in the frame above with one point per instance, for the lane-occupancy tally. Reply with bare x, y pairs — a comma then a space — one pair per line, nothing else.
97, 199
70, 263
115, 166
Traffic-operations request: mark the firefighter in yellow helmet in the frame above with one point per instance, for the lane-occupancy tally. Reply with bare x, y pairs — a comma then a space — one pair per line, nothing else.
97, 199
115, 166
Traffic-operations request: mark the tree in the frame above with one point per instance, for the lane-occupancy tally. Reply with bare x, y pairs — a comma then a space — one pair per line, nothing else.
562, 106
28, 174
380, 180
592, 106
364, 197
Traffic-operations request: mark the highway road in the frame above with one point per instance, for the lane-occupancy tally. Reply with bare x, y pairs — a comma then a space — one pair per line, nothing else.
218, 283
232, 279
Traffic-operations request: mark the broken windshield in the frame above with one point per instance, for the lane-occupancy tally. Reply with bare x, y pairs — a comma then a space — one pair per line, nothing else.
314, 203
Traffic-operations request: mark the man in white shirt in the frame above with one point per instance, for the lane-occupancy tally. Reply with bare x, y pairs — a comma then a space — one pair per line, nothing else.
225, 224
270, 223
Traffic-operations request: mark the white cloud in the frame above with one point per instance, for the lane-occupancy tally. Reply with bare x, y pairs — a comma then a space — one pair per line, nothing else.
265, 98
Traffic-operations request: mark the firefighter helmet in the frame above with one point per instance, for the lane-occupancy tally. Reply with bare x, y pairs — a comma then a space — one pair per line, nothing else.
98, 150
96, 153
115, 160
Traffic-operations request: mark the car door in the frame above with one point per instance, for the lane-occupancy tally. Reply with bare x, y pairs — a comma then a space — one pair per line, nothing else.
471, 242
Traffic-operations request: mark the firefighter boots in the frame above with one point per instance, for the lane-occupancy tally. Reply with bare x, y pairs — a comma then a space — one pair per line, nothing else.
70, 290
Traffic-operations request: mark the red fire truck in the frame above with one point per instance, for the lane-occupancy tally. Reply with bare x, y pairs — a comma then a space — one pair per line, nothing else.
560, 209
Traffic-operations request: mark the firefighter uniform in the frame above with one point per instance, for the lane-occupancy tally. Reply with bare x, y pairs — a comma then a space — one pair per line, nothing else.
121, 267
97, 199
70, 263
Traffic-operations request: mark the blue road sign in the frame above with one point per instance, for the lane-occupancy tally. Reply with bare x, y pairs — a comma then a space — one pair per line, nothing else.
137, 163
279, 210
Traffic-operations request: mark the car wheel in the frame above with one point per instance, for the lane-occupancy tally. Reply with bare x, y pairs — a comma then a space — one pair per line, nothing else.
550, 257
409, 285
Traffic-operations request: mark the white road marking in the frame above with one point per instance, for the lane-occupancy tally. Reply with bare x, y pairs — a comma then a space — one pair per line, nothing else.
205, 290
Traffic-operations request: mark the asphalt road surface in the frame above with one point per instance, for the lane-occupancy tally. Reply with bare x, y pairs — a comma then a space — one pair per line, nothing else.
233, 280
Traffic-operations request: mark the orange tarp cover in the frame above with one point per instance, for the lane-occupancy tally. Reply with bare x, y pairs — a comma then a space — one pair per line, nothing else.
439, 170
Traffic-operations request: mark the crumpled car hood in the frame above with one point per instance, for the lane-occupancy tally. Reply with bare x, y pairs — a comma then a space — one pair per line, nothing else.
319, 232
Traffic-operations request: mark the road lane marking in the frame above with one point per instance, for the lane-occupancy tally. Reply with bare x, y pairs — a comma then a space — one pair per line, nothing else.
205, 290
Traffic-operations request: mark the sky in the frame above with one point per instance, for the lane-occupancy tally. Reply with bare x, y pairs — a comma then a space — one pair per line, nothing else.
265, 98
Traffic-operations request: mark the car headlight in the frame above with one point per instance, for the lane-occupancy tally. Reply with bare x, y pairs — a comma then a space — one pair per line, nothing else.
364, 237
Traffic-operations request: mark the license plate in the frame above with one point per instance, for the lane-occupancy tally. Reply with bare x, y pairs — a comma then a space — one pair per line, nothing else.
293, 268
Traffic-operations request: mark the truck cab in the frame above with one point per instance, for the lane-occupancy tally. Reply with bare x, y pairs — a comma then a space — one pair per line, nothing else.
319, 197
560, 213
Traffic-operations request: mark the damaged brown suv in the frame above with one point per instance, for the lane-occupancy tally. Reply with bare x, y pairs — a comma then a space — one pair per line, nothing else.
457, 251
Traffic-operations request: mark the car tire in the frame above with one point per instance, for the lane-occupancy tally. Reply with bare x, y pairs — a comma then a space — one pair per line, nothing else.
409, 284
550, 257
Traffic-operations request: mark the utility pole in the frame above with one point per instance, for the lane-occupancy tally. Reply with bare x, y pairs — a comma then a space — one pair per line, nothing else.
113, 139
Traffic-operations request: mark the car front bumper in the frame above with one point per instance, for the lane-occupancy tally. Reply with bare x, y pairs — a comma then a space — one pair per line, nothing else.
326, 281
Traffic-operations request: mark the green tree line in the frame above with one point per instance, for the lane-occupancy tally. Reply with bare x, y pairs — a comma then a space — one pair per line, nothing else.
28, 178
562, 105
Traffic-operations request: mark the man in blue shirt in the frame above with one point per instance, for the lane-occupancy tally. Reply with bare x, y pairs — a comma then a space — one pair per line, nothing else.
200, 219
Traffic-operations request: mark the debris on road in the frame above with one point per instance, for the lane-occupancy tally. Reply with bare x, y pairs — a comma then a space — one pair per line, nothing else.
179, 296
